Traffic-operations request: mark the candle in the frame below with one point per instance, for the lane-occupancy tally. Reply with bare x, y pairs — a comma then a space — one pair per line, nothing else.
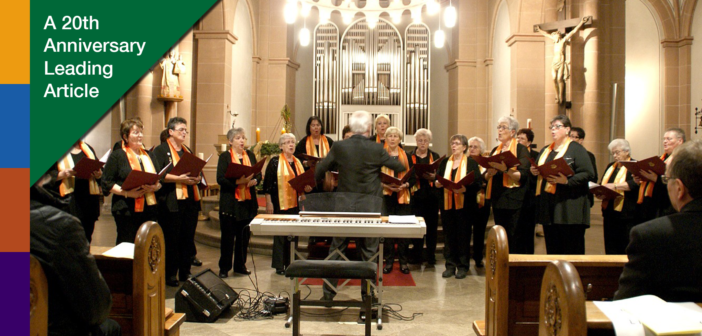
224, 147
201, 156
529, 123
258, 135
282, 131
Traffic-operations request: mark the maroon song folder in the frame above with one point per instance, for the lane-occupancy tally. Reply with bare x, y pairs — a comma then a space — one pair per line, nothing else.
189, 164
553, 168
311, 160
387, 179
654, 164
600, 190
235, 170
421, 168
448, 184
138, 178
507, 157
305, 179
86, 166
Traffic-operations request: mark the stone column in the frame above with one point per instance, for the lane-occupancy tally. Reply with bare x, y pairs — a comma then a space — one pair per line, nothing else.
468, 92
529, 84
677, 84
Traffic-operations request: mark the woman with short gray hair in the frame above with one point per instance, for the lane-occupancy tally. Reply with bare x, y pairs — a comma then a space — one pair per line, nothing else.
619, 213
506, 187
237, 204
281, 197
425, 200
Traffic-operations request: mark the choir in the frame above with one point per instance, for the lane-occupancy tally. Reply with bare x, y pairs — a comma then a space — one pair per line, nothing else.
520, 195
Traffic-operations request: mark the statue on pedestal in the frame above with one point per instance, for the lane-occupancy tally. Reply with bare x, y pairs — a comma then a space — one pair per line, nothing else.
170, 81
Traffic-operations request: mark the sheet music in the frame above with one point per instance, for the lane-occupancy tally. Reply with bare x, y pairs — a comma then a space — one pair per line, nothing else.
104, 157
123, 250
645, 314
403, 219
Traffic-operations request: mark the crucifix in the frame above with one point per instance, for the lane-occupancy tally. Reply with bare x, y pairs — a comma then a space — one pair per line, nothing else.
561, 32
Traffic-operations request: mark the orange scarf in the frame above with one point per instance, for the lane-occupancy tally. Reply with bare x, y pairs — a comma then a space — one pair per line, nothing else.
646, 188
403, 197
242, 193
480, 196
449, 196
550, 187
323, 147
68, 184
182, 189
287, 195
414, 162
377, 140
134, 159
620, 178
507, 181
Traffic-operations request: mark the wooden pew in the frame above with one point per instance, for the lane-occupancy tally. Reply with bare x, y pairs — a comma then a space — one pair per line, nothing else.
38, 299
562, 303
138, 286
513, 283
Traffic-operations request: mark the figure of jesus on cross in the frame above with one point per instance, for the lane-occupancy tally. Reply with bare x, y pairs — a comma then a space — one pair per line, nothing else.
560, 70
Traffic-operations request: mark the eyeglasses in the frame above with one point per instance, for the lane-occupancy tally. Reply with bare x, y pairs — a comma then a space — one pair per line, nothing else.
182, 130
474, 147
457, 143
501, 128
555, 127
422, 141
665, 179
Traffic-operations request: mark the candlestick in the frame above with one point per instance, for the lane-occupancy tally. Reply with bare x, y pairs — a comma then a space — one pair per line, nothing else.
529, 123
201, 156
282, 131
258, 135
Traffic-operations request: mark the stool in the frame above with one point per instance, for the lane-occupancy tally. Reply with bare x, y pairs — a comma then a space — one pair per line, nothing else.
331, 269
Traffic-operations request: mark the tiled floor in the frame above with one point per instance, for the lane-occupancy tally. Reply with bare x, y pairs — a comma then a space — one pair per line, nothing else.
445, 306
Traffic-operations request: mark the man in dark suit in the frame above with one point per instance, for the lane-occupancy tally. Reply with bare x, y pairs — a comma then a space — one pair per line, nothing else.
358, 161
665, 254
577, 134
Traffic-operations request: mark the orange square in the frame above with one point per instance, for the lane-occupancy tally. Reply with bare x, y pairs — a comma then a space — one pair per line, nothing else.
14, 207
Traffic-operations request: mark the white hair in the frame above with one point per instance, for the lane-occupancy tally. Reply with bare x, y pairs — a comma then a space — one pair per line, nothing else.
423, 132
480, 141
394, 130
621, 144
512, 123
360, 122
286, 136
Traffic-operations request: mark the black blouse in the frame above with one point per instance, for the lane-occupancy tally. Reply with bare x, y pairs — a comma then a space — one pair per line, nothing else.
116, 170
166, 197
470, 195
228, 204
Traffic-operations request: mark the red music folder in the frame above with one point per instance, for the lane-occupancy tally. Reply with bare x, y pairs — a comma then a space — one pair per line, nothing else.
86, 166
305, 179
600, 190
189, 164
654, 164
553, 168
448, 184
387, 179
311, 160
421, 168
235, 170
507, 157
138, 178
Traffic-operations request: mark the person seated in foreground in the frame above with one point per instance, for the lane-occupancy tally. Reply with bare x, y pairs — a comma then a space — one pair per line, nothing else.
665, 254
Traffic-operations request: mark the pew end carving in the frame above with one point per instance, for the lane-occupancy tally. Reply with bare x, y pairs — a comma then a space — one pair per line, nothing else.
562, 304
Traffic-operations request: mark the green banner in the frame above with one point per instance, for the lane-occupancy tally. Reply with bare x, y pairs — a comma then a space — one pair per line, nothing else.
85, 55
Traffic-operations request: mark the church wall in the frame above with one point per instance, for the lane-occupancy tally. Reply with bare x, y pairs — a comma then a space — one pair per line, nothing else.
502, 97
99, 135
696, 73
643, 90
242, 69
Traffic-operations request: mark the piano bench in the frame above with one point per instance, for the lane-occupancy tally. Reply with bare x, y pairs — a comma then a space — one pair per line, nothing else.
332, 269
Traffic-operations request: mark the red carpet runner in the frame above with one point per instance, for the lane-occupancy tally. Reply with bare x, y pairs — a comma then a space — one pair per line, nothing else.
392, 279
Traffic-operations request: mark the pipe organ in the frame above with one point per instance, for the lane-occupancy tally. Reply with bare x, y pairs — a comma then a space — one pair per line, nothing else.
372, 67
326, 86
